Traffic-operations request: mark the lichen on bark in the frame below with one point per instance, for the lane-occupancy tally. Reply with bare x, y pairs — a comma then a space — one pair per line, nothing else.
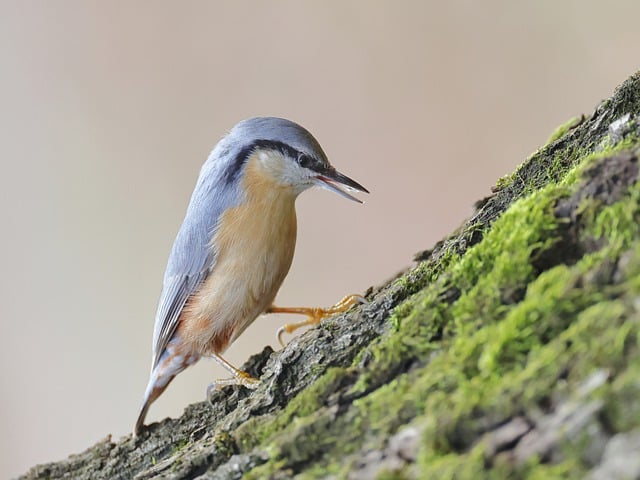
510, 349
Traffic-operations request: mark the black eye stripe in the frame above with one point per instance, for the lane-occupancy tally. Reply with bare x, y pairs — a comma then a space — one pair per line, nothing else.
304, 160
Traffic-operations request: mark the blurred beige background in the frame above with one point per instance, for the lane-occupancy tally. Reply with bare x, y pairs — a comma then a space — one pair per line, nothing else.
110, 108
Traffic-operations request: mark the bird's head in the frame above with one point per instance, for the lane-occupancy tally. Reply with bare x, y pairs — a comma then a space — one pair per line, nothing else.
287, 153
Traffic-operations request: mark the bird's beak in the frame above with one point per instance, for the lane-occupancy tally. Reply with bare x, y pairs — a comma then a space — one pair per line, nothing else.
332, 180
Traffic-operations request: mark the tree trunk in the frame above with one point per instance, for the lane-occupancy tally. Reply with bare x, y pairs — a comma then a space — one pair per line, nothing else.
510, 349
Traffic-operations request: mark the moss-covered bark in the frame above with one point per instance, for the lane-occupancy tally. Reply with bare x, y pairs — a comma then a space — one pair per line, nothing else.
510, 350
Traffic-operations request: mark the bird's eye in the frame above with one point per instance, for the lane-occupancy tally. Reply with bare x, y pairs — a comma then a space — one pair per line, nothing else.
305, 161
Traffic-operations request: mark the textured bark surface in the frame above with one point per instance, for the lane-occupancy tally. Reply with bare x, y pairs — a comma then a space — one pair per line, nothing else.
510, 349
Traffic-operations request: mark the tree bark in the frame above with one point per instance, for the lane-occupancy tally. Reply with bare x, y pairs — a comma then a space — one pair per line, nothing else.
510, 349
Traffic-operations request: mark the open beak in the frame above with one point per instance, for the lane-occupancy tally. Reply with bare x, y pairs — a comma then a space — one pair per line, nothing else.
333, 180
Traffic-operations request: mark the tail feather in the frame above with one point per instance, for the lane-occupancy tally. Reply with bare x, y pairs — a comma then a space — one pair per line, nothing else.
150, 396
141, 416
167, 368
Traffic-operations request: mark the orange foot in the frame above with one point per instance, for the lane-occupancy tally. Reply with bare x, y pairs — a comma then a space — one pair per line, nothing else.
238, 377
314, 315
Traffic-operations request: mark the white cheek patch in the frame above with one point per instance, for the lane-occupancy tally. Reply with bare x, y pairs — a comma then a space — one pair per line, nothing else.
271, 163
284, 170
264, 158
295, 175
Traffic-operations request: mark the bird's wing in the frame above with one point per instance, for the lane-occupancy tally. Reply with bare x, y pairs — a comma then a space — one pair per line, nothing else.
193, 256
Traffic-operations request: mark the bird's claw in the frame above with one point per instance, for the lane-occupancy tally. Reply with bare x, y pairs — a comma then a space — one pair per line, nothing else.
315, 315
240, 378
286, 328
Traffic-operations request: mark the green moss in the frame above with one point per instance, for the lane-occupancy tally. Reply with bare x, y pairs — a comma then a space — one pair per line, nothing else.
619, 224
224, 444
622, 409
393, 475
494, 270
567, 469
552, 162
560, 131
179, 446
553, 169
423, 274
258, 429
450, 466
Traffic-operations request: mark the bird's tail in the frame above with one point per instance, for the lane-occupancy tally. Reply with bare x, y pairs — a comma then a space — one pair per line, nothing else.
167, 368
156, 386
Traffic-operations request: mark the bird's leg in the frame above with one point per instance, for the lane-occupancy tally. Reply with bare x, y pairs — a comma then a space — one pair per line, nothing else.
238, 377
314, 315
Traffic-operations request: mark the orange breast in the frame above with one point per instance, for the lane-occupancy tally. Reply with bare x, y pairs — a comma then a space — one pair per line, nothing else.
254, 244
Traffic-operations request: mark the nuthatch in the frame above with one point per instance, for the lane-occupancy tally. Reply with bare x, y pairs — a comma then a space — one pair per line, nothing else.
235, 247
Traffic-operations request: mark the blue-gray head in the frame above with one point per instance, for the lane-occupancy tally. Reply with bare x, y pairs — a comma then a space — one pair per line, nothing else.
287, 152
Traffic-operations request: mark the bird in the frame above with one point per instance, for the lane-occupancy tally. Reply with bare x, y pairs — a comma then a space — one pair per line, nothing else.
235, 247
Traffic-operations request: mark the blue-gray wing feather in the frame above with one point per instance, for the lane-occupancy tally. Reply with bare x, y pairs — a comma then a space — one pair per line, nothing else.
193, 256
